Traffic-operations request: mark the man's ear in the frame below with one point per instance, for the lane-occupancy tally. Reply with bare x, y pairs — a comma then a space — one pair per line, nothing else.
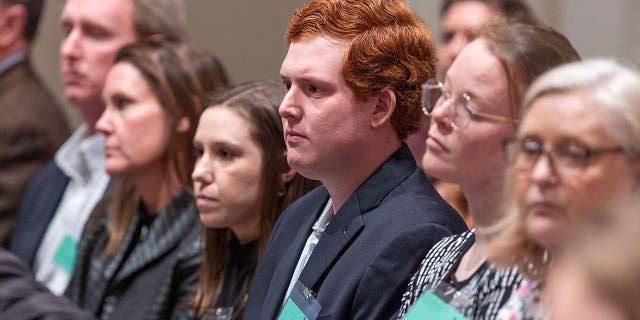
13, 24
384, 108
183, 125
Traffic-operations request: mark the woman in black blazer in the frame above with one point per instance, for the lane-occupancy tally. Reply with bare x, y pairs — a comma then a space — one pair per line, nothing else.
139, 254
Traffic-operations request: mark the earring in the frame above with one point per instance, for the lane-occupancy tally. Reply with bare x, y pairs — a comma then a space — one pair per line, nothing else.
282, 192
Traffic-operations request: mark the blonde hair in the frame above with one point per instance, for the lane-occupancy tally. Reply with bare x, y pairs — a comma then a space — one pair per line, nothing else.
616, 91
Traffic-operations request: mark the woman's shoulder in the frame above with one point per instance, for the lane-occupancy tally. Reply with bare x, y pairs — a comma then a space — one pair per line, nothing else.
451, 247
444, 256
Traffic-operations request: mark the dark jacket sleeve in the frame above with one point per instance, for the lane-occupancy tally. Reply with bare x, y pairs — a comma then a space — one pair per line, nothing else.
21, 297
383, 283
37, 209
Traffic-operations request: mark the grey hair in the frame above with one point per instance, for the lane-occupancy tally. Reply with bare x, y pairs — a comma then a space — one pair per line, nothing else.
612, 87
166, 19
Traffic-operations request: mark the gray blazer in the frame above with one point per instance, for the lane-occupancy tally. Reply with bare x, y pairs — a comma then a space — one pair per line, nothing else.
147, 279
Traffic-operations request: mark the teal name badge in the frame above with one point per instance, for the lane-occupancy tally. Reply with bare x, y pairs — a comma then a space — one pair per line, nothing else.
65, 256
430, 306
301, 304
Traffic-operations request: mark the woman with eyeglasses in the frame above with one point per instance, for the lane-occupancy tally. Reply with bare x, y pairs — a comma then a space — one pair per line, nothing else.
576, 154
472, 113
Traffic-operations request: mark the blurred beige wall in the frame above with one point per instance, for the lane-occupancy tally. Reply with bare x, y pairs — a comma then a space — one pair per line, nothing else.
248, 35
596, 28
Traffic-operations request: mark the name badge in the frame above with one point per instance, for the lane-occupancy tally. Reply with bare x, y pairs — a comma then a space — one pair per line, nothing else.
443, 303
301, 304
65, 256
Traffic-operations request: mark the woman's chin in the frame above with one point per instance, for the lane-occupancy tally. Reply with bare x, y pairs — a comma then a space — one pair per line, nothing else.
212, 221
544, 230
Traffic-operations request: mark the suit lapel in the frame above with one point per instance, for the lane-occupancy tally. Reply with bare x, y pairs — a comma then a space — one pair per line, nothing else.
16, 73
283, 272
57, 183
96, 286
348, 221
345, 226
164, 235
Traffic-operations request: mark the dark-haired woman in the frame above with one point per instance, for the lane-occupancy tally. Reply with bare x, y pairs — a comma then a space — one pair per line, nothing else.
139, 254
242, 183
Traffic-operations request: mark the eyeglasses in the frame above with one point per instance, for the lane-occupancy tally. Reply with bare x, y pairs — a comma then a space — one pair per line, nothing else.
461, 109
567, 157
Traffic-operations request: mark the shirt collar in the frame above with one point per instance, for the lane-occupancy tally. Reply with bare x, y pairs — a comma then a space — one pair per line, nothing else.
11, 61
82, 158
325, 217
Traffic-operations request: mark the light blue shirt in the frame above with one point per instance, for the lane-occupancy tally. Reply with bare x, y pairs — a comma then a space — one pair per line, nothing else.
11, 61
312, 241
82, 160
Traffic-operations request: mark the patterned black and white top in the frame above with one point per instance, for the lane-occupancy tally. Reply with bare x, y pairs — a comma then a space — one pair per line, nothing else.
487, 290
524, 304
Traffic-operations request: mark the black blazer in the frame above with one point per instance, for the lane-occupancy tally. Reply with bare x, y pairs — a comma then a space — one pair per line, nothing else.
38, 207
368, 252
150, 279
23, 298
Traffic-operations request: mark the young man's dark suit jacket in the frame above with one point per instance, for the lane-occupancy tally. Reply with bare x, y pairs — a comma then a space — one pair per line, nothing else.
32, 127
367, 253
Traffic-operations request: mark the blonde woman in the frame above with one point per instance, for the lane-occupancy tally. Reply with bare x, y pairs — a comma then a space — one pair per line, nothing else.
472, 113
576, 153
